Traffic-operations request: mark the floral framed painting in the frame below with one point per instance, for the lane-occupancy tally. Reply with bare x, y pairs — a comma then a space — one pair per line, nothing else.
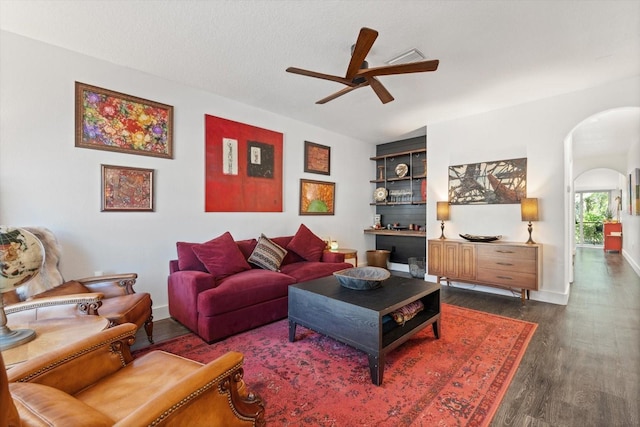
317, 158
127, 189
317, 197
113, 121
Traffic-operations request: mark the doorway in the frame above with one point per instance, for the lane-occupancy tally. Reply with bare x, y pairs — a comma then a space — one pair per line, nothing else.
591, 210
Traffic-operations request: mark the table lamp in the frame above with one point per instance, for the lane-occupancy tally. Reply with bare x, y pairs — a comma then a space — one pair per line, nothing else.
21, 258
442, 214
529, 211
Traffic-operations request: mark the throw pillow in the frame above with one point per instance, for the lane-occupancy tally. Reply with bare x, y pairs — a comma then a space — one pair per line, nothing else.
187, 259
221, 256
267, 254
307, 245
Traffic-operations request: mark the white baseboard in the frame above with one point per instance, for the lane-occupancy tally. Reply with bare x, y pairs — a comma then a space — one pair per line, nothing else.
160, 312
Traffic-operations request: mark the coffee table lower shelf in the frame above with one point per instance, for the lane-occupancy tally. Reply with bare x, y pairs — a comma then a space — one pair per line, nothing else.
357, 318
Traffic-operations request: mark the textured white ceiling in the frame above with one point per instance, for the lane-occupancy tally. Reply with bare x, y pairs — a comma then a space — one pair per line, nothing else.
492, 54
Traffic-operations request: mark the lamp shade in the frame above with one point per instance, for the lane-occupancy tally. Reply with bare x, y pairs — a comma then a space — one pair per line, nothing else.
442, 211
529, 209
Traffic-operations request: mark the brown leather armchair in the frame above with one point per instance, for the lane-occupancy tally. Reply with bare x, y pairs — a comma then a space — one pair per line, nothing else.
98, 383
119, 303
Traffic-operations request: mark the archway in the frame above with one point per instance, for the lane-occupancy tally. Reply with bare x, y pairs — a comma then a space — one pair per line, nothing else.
600, 142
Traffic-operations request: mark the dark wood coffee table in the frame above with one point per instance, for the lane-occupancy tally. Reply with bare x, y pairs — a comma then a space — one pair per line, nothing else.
357, 318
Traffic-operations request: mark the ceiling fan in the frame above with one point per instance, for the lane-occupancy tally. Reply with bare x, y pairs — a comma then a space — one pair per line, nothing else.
360, 75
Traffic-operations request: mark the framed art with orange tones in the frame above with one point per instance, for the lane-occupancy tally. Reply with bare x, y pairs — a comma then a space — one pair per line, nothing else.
127, 189
317, 158
113, 121
317, 197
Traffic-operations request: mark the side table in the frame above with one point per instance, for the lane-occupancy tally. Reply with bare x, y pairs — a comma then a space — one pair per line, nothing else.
348, 254
52, 334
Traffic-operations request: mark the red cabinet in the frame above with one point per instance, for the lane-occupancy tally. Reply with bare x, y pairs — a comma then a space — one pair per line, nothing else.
613, 236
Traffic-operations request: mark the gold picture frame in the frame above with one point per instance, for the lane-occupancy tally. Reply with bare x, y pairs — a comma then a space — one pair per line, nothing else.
114, 121
317, 197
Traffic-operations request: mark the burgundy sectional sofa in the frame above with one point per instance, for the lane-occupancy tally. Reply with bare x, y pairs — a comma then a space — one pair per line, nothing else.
222, 287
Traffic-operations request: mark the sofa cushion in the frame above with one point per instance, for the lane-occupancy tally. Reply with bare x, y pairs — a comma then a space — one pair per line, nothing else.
187, 259
309, 270
244, 289
247, 247
306, 244
267, 254
221, 256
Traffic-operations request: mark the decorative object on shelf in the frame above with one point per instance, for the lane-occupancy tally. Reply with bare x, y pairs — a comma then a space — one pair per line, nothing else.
127, 189
423, 189
380, 194
21, 258
113, 121
381, 173
417, 267
442, 214
317, 197
474, 238
529, 212
333, 245
317, 158
402, 170
424, 167
497, 182
377, 221
362, 278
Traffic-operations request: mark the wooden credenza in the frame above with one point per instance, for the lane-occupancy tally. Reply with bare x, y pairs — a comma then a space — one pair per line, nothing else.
506, 265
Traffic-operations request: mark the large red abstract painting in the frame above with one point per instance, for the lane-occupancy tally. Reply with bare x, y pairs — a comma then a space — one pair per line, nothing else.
243, 167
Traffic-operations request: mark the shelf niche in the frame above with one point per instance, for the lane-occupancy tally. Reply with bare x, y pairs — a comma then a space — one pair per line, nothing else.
400, 207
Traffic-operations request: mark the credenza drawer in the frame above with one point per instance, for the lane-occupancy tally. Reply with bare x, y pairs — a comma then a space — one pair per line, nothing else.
508, 264
512, 278
487, 252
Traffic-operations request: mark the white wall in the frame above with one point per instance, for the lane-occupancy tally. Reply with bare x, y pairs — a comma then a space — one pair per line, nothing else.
598, 179
535, 130
630, 223
46, 181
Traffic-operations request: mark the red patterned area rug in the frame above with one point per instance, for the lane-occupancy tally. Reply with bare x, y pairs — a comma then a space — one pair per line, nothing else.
458, 380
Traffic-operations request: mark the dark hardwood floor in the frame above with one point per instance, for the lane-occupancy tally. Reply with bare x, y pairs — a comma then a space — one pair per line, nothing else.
582, 367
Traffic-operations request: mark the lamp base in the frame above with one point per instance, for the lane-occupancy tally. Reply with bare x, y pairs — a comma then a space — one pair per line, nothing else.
442, 230
530, 229
12, 338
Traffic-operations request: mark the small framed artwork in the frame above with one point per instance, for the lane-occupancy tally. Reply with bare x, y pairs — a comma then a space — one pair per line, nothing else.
317, 158
113, 121
317, 197
126, 189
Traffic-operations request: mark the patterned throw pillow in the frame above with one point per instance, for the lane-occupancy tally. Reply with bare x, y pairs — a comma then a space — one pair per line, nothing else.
267, 254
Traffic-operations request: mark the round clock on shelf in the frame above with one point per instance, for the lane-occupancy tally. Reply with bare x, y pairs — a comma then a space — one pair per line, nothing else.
401, 170
380, 195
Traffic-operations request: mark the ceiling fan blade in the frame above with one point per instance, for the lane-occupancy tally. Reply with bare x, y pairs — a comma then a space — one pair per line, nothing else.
308, 73
341, 92
380, 90
412, 67
362, 47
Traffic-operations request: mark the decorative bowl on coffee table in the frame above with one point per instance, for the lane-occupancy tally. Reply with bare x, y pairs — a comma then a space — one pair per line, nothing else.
362, 278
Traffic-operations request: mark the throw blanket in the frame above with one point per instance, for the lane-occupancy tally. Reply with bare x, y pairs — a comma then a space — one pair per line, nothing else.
49, 276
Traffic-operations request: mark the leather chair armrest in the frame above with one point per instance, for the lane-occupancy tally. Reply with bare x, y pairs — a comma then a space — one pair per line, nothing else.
217, 389
112, 285
87, 303
75, 366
